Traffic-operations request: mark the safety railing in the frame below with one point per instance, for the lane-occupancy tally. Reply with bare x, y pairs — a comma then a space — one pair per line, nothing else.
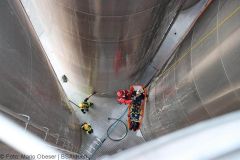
53, 139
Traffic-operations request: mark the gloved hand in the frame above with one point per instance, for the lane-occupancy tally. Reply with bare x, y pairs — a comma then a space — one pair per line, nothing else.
86, 99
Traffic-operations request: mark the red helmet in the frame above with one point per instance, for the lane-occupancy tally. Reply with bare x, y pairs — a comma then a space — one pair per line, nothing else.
120, 93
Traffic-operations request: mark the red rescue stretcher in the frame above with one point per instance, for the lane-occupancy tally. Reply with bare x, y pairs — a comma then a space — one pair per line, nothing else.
136, 109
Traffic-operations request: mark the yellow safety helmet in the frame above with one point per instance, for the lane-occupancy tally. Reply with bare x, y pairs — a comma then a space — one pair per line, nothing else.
87, 126
81, 105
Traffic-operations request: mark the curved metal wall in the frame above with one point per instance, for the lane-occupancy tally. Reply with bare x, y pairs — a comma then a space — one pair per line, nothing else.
28, 84
203, 79
101, 45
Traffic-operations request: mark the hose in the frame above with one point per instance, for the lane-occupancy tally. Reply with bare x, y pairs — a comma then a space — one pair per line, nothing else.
112, 126
117, 120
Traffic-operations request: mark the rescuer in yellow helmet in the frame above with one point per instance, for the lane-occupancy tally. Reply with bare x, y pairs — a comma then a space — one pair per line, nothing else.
85, 105
87, 128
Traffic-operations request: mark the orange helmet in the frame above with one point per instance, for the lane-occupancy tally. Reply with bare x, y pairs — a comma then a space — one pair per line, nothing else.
120, 93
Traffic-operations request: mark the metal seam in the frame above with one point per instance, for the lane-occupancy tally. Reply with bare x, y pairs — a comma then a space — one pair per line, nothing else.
91, 14
187, 51
224, 68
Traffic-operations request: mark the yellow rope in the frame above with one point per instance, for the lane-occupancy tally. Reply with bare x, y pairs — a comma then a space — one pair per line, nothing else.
187, 51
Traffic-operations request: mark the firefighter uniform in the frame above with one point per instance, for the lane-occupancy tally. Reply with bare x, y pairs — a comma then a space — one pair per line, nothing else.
87, 128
